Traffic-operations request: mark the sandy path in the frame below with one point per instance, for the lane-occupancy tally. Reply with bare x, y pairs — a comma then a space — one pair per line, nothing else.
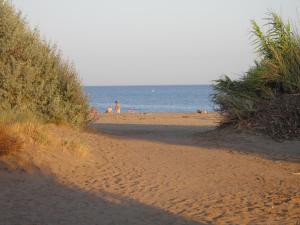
161, 169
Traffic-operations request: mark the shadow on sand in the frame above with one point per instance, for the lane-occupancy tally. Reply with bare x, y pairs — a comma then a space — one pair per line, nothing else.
39, 199
207, 137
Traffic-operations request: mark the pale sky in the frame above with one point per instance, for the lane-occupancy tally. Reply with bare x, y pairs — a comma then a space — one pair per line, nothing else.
139, 42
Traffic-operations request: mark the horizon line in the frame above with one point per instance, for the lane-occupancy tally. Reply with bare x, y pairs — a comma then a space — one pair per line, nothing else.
141, 85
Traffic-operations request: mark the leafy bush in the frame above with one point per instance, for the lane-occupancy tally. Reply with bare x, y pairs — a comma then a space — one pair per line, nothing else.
34, 79
268, 95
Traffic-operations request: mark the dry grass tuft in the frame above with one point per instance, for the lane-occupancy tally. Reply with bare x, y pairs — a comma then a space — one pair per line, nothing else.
31, 131
23, 144
14, 135
8, 143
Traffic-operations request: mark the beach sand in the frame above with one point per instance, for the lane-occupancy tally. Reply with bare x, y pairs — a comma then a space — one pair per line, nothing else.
155, 168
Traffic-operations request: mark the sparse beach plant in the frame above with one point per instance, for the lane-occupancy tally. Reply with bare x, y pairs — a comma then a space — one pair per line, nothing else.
267, 97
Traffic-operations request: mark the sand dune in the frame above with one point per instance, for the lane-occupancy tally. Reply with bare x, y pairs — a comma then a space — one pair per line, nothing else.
148, 169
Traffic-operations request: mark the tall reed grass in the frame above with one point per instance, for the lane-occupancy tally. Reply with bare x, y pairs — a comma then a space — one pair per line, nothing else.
267, 97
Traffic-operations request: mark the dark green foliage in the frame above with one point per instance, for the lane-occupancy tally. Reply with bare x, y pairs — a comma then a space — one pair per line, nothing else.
280, 117
264, 93
33, 76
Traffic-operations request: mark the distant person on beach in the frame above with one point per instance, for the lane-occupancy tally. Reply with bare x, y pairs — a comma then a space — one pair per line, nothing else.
117, 107
109, 109
94, 113
202, 111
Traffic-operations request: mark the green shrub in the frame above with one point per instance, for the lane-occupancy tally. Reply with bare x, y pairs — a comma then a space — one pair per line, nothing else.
34, 79
264, 92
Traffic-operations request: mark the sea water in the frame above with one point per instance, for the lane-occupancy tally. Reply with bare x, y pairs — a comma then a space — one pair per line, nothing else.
185, 98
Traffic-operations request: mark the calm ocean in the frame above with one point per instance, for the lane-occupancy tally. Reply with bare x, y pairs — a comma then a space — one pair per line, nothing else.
152, 98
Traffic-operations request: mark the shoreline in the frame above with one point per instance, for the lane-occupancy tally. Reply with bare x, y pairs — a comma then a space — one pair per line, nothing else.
166, 118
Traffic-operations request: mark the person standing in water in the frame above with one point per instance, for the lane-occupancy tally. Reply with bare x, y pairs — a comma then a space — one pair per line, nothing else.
117, 107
